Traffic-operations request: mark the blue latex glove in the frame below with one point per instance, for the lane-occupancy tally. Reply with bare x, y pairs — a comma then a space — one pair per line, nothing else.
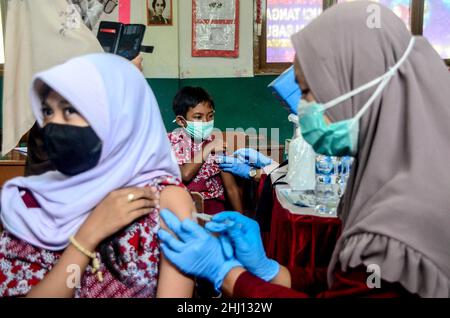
234, 166
195, 252
253, 157
245, 237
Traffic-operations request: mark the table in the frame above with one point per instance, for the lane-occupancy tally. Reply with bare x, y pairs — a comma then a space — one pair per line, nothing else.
12, 165
298, 237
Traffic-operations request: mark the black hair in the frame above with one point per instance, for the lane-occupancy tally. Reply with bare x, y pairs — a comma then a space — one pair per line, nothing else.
44, 91
154, 4
189, 97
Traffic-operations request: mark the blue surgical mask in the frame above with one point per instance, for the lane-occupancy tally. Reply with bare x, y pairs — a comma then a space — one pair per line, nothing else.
341, 138
199, 130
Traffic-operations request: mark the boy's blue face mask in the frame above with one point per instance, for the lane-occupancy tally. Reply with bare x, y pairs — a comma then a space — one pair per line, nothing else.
340, 138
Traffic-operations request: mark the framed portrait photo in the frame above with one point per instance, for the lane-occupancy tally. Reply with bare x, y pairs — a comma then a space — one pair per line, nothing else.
159, 12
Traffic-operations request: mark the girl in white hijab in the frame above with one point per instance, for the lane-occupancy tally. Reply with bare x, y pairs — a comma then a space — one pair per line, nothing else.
103, 131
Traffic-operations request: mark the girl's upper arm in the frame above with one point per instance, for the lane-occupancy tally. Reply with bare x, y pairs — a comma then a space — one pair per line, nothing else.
178, 200
173, 283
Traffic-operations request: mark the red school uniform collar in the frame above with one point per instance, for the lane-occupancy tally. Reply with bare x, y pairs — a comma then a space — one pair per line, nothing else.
28, 198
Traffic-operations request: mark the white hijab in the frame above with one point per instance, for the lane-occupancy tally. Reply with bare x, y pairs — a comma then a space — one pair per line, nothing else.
114, 97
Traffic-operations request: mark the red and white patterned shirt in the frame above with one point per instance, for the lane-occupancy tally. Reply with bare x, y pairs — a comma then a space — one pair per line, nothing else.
208, 181
133, 255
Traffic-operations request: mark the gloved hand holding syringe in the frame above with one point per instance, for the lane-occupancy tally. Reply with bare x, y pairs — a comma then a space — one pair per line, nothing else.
223, 237
240, 237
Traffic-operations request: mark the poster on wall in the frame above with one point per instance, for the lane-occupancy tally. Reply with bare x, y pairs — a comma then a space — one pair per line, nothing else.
215, 28
159, 12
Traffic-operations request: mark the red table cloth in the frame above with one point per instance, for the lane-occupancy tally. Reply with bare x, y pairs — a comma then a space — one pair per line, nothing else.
300, 240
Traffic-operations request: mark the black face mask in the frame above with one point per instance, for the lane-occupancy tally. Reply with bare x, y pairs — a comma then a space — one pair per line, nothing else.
72, 149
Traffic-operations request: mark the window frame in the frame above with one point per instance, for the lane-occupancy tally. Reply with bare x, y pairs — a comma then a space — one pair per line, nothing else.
260, 42
260, 48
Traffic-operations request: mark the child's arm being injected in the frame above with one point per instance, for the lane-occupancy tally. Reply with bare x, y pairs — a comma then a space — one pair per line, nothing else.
172, 283
190, 170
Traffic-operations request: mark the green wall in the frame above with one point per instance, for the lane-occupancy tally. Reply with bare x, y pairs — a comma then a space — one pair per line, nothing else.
240, 102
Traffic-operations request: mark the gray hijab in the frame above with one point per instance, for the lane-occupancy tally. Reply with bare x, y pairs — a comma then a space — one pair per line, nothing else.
396, 210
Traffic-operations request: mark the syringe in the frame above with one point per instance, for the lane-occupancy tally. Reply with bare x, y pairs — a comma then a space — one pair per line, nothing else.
208, 218
202, 216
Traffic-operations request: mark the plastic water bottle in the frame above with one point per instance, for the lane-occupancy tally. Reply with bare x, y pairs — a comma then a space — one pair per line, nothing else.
345, 168
328, 189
